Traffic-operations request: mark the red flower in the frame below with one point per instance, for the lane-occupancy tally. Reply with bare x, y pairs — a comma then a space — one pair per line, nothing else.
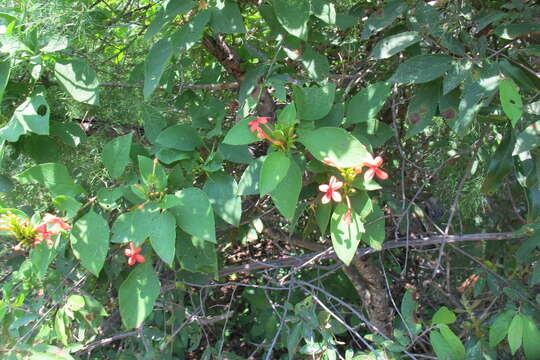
133, 255
255, 125
58, 224
43, 234
330, 190
373, 165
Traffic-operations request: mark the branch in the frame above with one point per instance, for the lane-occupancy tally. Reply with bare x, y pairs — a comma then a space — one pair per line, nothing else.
300, 260
222, 86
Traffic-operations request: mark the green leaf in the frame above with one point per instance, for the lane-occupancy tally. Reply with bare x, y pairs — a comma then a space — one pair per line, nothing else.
90, 241
522, 78
273, 171
193, 212
475, 91
449, 105
154, 65
393, 44
322, 216
128, 227
5, 69
293, 15
79, 79
443, 316
512, 31
531, 339
345, 236
375, 232
41, 256
116, 155
153, 122
510, 100
374, 135
239, 154
500, 165
365, 105
161, 228
70, 133
454, 343
41, 148
313, 103
153, 174
534, 277
54, 177
240, 134
285, 194
316, 65
190, 33
68, 204
222, 191
287, 116
381, 18
195, 255
456, 75
336, 144
440, 346
324, 11
226, 18
54, 44
169, 156
179, 137
421, 69
528, 139
499, 328
60, 320
515, 333
334, 118
5, 184
31, 116
137, 295
249, 182
408, 309
166, 14
422, 107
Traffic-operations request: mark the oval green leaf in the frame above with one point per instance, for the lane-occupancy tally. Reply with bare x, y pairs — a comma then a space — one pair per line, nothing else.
273, 171
335, 144
90, 241
137, 295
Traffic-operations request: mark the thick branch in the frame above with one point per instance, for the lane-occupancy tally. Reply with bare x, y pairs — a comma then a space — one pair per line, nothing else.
433, 240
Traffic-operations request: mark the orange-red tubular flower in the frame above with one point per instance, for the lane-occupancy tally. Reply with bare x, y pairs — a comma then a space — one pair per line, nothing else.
133, 255
255, 125
331, 190
373, 165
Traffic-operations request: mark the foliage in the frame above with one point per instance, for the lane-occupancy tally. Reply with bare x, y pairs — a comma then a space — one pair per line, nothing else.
211, 179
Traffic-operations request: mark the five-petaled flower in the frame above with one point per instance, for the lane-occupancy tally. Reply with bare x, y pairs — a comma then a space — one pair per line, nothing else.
133, 255
373, 165
331, 190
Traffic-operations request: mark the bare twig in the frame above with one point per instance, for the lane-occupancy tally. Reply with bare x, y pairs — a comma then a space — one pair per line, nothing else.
427, 241
459, 190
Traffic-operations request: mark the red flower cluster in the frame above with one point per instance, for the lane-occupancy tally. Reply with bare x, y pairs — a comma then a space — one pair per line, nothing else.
29, 235
330, 189
255, 126
44, 231
133, 255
